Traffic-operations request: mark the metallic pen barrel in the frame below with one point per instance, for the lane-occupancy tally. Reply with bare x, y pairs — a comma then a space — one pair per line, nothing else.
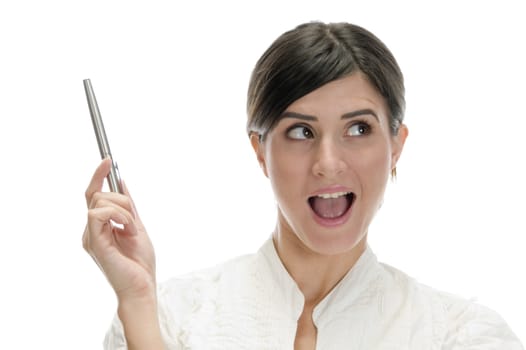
104, 147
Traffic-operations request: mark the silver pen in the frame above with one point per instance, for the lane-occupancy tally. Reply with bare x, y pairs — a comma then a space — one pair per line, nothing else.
114, 180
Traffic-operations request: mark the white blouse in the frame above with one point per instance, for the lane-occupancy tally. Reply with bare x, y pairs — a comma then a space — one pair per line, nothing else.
253, 303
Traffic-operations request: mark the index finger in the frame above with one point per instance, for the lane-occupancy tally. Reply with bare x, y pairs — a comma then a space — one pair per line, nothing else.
97, 180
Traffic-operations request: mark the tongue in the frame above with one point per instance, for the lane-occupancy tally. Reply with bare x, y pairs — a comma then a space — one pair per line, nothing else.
329, 208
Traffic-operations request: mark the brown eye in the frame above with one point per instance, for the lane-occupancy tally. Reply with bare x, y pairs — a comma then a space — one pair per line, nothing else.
300, 132
359, 129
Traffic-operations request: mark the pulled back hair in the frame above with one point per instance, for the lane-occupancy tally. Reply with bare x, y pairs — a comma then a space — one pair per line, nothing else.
314, 54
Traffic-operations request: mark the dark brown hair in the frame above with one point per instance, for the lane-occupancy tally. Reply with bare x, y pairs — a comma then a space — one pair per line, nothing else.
311, 55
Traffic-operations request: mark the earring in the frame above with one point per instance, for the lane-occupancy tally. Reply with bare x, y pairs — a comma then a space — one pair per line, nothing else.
393, 174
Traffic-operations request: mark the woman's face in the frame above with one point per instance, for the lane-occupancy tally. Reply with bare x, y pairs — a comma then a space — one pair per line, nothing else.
328, 160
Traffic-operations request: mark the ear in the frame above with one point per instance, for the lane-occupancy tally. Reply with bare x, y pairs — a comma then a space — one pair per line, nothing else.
259, 149
398, 142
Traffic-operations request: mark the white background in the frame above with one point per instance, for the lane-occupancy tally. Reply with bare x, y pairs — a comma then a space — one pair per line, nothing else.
171, 79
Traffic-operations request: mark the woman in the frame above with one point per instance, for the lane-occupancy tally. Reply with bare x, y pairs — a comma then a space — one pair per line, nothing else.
325, 119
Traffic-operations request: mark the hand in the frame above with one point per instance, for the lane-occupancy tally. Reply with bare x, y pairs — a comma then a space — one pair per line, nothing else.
125, 255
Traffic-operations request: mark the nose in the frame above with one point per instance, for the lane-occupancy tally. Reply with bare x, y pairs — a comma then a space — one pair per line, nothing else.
329, 161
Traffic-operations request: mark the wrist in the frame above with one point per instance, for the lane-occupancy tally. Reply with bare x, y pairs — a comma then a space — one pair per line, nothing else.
140, 320
137, 304
144, 293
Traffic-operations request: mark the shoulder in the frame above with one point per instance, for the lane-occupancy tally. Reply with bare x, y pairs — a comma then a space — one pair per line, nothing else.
189, 304
454, 322
471, 325
205, 283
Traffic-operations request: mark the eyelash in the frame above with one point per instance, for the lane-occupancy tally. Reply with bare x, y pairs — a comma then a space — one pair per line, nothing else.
310, 134
304, 128
362, 123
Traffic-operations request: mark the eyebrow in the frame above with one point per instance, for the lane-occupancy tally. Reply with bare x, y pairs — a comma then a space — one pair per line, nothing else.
349, 115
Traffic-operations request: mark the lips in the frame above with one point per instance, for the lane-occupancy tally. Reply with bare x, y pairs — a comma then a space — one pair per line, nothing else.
331, 206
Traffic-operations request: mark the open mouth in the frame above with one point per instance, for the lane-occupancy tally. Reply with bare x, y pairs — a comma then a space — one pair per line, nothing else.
330, 206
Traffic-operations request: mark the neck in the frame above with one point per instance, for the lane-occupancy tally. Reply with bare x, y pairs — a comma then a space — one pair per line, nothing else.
315, 274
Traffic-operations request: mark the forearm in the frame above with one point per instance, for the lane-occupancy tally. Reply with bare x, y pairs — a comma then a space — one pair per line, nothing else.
140, 321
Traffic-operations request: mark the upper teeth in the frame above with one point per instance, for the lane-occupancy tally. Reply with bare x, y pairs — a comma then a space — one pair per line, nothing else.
332, 195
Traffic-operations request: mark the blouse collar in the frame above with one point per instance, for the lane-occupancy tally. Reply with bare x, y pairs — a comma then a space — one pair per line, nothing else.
347, 292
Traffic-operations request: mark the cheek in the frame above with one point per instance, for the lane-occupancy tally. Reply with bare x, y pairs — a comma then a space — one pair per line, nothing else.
286, 171
375, 170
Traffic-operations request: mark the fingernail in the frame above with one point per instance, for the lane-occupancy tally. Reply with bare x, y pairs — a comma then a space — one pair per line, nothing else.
117, 225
